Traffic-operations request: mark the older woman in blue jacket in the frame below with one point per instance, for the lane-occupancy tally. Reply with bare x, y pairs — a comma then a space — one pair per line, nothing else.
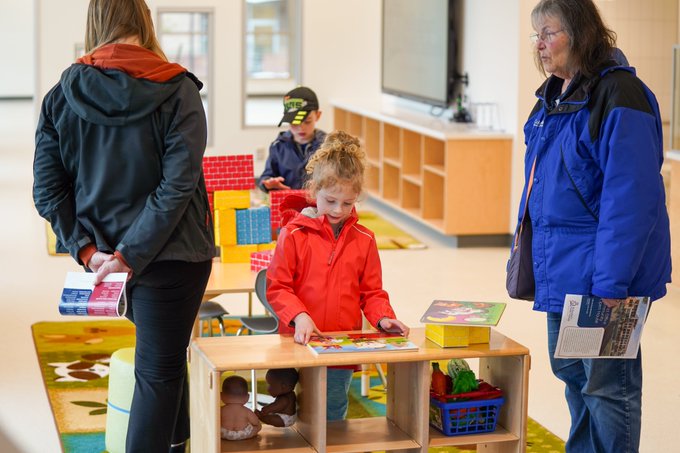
596, 207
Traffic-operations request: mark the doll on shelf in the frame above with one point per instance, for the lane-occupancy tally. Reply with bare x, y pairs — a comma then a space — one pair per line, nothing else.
282, 411
237, 421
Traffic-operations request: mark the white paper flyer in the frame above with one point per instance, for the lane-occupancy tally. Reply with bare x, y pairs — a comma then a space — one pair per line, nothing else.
81, 298
590, 329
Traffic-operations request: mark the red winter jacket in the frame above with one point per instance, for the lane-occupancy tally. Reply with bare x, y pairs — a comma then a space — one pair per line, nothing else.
333, 280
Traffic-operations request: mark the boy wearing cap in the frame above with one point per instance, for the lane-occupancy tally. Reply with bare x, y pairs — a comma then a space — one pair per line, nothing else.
289, 153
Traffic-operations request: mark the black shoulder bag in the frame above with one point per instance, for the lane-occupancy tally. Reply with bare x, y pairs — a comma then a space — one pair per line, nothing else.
519, 280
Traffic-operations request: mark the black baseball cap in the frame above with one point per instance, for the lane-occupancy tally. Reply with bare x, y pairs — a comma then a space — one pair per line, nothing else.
297, 104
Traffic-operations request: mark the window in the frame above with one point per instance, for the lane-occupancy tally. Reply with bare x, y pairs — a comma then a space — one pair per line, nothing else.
272, 57
185, 37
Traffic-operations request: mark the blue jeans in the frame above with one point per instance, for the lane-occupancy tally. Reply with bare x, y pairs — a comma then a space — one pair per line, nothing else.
163, 304
337, 389
604, 398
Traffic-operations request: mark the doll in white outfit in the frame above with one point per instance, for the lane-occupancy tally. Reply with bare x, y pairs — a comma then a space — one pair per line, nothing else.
282, 412
237, 421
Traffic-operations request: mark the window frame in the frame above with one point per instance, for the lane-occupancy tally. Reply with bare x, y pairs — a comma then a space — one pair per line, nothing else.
210, 73
295, 35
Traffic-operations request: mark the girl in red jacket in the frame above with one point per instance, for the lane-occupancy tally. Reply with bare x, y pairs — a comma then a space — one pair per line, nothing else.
326, 270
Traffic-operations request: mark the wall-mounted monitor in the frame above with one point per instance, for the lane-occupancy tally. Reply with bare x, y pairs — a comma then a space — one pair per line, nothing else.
419, 50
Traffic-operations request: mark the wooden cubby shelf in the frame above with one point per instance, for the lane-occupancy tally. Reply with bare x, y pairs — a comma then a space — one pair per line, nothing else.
473, 196
405, 427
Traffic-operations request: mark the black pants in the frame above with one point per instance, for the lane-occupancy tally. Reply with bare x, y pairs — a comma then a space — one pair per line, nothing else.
163, 303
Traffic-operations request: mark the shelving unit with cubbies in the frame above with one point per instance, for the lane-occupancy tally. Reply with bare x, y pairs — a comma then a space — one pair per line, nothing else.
450, 176
405, 427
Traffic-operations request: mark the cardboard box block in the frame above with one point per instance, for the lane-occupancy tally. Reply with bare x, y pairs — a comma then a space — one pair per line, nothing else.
231, 172
253, 226
448, 336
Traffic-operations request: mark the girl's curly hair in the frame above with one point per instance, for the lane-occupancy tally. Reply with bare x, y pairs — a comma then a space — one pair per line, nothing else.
339, 160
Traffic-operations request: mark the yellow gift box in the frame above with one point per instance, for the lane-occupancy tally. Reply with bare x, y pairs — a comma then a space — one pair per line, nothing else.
448, 336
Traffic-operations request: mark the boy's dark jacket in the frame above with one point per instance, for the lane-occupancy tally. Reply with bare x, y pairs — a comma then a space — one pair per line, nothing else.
286, 160
118, 161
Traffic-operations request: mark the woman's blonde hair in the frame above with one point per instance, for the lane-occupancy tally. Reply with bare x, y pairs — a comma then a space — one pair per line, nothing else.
111, 20
339, 160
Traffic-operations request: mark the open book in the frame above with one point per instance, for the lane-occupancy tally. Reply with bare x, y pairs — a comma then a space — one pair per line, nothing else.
80, 296
360, 342
590, 329
453, 312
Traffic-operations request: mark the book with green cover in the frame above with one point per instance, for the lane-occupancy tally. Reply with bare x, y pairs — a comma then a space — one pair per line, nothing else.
460, 313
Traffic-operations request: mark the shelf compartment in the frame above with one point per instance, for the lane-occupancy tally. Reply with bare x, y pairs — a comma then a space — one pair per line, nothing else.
372, 138
282, 440
437, 439
366, 434
372, 179
340, 119
413, 178
355, 125
411, 151
391, 176
438, 169
410, 195
391, 141
433, 196
391, 162
433, 152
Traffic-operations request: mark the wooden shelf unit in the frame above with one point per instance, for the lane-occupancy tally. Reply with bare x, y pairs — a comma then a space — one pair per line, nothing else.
405, 427
450, 176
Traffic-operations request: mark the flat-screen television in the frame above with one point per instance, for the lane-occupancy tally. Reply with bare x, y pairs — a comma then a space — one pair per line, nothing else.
419, 50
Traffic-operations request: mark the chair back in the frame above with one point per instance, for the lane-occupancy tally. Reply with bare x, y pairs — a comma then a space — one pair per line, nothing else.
261, 292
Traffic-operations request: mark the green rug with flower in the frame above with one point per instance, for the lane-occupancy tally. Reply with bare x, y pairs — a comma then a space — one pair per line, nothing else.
74, 359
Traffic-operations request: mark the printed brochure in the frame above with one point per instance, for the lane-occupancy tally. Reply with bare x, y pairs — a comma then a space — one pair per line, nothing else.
458, 313
81, 298
360, 342
590, 329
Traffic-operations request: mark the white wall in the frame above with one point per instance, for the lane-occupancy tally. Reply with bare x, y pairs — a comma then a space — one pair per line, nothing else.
16, 36
341, 51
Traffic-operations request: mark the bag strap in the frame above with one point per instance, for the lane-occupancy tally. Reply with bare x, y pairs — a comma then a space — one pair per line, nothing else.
526, 204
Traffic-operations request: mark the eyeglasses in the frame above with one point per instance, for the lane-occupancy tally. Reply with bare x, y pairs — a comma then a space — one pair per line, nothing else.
546, 36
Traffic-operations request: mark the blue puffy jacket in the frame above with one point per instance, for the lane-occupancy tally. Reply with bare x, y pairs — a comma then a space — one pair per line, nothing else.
597, 204
285, 159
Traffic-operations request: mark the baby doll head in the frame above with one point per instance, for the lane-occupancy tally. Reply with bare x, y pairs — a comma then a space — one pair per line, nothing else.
280, 381
234, 390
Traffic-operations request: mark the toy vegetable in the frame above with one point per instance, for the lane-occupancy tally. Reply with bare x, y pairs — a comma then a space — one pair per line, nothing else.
438, 384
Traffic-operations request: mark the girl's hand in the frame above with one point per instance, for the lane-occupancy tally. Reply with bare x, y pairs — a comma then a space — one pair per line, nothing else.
304, 328
394, 325
98, 259
109, 266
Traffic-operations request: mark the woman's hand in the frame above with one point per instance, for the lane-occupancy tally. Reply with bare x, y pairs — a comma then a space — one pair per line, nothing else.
113, 264
97, 260
612, 303
304, 328
275, 183
394, 325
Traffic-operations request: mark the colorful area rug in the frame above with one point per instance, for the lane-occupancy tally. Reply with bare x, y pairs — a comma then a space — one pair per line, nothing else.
74, 361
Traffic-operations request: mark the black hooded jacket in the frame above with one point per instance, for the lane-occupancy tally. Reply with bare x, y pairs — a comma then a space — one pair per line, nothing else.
118, 160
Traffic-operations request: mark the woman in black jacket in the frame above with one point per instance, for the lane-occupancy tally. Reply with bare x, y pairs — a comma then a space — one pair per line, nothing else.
118, 174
